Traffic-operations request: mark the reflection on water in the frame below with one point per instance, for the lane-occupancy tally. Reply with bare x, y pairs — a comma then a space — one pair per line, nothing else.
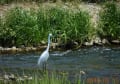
95, 61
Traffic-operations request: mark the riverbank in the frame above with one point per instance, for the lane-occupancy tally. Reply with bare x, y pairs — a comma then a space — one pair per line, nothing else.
54, 46
28, 24
14, 50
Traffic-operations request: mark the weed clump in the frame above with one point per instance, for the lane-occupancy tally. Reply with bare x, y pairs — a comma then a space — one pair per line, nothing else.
110, 21
27, 27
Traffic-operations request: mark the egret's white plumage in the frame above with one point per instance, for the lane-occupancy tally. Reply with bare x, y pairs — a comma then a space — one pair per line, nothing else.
45, 55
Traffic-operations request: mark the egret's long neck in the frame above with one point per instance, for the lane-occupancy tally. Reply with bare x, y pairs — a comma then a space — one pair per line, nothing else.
48, 43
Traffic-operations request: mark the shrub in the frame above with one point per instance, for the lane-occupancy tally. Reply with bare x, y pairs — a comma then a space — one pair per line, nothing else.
110, 21
3, 32
22, 27
1, 25
43, 25
56, 21
77, 25
25, 27
65, 24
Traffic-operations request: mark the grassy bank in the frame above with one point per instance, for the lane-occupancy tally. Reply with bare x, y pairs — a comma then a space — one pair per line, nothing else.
69, 24
110, 21
28, 27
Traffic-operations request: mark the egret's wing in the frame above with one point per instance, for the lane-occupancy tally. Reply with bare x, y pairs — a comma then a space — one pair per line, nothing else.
43, 58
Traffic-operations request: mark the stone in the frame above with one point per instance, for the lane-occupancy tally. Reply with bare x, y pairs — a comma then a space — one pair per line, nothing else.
33, 48
6, 77
82, 72
28, 49
105, 41
20, 79
14, 48
43, 42
25, 76
76, 43
88, 43
30, 78
115, 41
22, 46
97, 40
19, 50
12, 77
1, 48
54, 45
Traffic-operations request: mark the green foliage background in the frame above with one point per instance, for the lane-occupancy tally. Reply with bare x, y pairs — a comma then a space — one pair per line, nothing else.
27, 27
110, 21
31, 27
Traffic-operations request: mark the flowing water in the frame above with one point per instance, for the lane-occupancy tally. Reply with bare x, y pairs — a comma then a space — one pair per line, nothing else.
97, 62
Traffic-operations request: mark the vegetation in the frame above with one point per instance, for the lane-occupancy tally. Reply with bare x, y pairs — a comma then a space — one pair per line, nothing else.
69, 25
110, 21
26, 27
40, 78
41, 1
19, 28
65, 24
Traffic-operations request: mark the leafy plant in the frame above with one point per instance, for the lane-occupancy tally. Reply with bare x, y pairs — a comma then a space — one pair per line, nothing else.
22, 26
77, 25
110, 21
43, 25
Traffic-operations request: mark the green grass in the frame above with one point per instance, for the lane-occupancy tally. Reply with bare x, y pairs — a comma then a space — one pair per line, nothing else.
20, 28
27, 27
35, 76
30, 27
110, 21
43, 78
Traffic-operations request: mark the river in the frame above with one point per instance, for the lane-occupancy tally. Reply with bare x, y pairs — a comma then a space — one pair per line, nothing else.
94, 61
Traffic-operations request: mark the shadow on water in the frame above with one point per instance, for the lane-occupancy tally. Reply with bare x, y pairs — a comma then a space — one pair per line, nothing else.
101, 64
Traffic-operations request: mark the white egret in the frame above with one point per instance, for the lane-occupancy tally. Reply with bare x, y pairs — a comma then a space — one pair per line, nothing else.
45, 55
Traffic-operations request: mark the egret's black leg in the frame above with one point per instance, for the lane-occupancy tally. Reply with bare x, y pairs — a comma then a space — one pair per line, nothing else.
45, 66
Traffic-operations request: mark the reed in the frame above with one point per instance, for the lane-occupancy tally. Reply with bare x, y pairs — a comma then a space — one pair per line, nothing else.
110, 21
43, 78
66, 24
27, 27
20, 27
